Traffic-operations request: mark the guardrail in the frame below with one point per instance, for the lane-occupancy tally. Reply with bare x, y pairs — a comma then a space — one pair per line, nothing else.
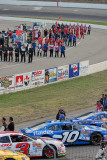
42, 77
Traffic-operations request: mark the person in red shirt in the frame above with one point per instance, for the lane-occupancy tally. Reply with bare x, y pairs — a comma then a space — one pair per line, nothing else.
99, 106
82, 33
58, 41
52, 40
65, 30
55, 30
46, 40
40, 40
77, 32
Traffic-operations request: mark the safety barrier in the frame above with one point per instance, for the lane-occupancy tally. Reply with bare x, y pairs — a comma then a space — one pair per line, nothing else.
42, 77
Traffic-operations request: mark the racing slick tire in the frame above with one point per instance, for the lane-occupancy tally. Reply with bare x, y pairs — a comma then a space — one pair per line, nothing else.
96, 138
48, 152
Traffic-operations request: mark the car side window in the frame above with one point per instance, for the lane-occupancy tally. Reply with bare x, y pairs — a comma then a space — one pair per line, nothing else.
54, 128
4, 139
66, 126
17, 138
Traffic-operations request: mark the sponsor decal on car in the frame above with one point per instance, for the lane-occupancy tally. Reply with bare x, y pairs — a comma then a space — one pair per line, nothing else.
42, 132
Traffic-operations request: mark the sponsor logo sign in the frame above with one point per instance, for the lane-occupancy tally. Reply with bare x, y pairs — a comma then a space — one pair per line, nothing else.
23, 80
37, 78
63, 72
50, 75
73, 70
83, 68
7, 83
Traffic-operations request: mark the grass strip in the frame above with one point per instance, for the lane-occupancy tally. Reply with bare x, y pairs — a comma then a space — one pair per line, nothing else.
73, 94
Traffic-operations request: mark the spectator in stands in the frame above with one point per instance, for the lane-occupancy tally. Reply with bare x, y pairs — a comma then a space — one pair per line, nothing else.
99, 106
61, 111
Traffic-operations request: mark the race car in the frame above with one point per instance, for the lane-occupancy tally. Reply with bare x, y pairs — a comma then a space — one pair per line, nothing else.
68, 132
91, 118
32, 147
10, 155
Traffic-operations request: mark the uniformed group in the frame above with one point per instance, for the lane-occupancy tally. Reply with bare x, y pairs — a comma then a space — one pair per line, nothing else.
54, 40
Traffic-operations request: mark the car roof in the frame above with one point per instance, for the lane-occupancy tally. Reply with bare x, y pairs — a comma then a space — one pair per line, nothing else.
3, 133
60, 122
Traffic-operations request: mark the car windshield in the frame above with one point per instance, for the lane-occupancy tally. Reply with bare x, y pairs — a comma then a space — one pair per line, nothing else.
86, 116
36, 127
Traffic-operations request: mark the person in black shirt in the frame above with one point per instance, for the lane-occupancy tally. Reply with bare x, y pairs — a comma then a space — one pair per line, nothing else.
4, 125
11, 53
1, 50
61, 111
30, 57
17, 50
11, 124
5, 52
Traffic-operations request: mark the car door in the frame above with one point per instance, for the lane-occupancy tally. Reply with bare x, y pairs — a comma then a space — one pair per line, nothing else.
5, 142
20, 143
69, 134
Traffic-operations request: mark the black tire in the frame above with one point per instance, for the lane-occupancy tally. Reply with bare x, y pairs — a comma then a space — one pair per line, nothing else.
48, 152
96, 138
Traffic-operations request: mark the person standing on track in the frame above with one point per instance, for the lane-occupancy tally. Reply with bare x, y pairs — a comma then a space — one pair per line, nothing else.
30, 54
23, 51
57, 50
51, 49
34, 47
74, 40
17, 50
4, 125
5, 52
1, 51
45, 48
11, 53
62, 50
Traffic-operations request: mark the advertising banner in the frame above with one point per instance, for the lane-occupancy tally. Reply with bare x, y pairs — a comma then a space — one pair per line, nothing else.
83, 68
37, 78
73, 70
63, 72
7, 83
50, 75
22, 80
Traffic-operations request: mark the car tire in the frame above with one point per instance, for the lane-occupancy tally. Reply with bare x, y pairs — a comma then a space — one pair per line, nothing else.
96, 138
48, 152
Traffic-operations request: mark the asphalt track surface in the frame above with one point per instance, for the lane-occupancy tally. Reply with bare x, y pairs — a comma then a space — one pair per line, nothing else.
84, 152
54, 12
92, 48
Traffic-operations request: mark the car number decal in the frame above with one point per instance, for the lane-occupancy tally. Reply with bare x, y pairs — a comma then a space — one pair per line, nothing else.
70, 137
24, 147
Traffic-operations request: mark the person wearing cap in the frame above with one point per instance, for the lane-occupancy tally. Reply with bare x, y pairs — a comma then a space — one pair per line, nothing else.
99, 106
62, 48
61, 111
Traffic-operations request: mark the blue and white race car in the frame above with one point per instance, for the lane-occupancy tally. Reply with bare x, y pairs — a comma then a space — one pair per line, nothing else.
92, 118
69, 133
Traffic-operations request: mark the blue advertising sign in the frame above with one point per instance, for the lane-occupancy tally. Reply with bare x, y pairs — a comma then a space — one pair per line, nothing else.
73, 70
50, 75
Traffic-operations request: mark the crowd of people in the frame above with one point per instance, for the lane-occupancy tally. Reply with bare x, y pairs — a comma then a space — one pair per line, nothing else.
53, 40
9, 127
